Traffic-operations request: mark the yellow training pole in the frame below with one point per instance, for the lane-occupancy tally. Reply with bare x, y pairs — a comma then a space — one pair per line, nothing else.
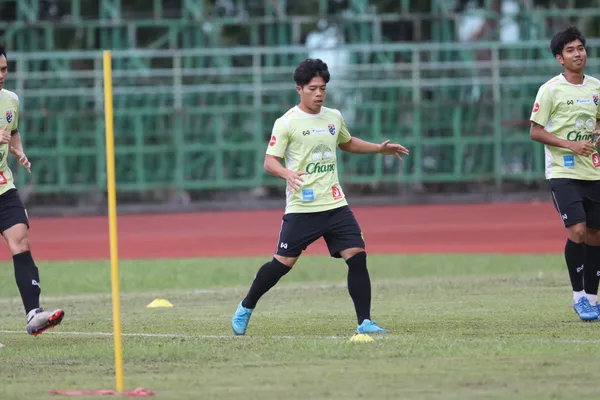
112, 216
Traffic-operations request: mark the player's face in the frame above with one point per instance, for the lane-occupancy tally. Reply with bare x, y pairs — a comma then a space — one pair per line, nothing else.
313, 95
573, 56
3, 71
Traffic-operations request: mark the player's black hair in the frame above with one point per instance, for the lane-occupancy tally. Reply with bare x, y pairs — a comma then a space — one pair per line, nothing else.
2, 51
311, 68
562, 38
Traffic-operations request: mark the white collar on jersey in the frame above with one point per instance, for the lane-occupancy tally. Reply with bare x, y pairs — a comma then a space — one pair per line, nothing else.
562, 76
307, 114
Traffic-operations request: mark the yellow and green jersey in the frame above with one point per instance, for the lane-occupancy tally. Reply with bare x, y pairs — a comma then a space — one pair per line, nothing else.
9, 116
308, 142
570, 112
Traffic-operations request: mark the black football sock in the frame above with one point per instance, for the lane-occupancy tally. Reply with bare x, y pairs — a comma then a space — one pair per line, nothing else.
28, 280
575, 257
267, 276
590, 269
359, 285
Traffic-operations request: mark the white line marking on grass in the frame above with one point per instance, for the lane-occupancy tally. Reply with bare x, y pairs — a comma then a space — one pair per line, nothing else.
572, 341
149, 335
179, 292
177, 335
519, 341
308, 337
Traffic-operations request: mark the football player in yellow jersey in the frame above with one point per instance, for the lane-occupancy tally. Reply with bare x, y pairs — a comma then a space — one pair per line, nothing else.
564, 118
307, 137
14, 223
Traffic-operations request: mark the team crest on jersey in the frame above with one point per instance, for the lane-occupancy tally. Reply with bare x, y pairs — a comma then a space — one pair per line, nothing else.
595, 98
9, 116
331, 128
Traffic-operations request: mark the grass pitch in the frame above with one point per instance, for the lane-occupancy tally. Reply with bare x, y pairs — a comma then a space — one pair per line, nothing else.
463, 327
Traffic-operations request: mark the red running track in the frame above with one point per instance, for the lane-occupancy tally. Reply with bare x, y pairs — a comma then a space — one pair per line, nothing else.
473, 228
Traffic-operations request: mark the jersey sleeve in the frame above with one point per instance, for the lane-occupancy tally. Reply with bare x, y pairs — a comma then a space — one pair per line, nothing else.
542, 109
596, 102
344, 135
280, 137
16, 118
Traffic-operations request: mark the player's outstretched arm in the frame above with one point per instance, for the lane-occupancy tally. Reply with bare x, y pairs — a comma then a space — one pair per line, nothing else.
359, 146
273, 166
16, 147
581, 147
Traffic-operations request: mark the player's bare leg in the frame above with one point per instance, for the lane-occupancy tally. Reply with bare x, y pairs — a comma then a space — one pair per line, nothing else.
28, 281
359, 287
267, 276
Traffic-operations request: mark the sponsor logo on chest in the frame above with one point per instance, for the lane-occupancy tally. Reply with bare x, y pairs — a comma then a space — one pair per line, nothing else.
320, 131
323, 160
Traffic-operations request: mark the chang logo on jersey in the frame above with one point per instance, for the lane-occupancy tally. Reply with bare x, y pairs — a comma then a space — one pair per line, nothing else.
323, 160
575, 136
318, 168
584, 123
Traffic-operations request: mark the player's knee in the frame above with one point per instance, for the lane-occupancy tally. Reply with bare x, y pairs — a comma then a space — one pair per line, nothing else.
592, 237
19, 245
349, 253
577, 233
358, 263
287, 261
